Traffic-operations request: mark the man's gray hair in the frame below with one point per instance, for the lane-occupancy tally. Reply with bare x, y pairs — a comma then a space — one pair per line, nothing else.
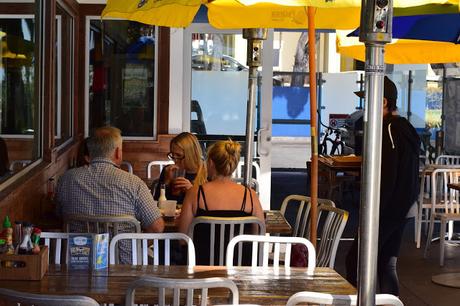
104, 142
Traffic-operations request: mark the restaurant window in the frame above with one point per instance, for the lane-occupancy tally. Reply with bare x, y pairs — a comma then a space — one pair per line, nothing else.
64, 76
121, 77
19, 109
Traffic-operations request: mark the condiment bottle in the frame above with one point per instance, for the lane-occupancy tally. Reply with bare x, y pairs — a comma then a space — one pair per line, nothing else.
17, 235
162, 196
26, 245
8, 235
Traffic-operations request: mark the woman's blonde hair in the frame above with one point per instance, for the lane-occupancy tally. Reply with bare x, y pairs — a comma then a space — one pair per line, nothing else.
225, 155
193, 155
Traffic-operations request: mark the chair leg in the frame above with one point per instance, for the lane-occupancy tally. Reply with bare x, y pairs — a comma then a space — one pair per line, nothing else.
450, 232
418, 225
430, 236
442, 240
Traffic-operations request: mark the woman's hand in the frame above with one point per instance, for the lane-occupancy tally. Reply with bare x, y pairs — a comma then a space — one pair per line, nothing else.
169, 173
180, 185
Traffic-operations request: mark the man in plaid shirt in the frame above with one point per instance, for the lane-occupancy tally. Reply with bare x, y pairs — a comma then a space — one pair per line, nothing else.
103, 189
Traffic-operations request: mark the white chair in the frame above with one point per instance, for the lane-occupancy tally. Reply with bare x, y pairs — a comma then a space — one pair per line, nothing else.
45, 300
145, 238
226, 229
54, 241
265, 247
176, 285
329, 234
444, 207
239, 170
254, 183
335, 299
301, 206
160, 163
128, 166
447, 160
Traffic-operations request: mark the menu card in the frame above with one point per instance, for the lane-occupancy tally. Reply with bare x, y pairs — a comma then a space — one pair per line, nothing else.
88, 251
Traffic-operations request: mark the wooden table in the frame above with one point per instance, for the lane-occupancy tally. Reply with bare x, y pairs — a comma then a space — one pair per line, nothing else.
331, 166
447, 279
275, 223
256, 285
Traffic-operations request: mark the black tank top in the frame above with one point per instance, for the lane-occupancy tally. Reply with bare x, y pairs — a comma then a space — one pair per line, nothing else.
222, 213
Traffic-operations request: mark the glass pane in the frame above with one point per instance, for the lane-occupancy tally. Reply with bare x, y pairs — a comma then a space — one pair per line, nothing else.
64, 76
19, 116
291, 89
219, 84
122, 76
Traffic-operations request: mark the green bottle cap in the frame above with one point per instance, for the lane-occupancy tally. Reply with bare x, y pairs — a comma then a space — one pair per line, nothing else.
2, 241
6, 222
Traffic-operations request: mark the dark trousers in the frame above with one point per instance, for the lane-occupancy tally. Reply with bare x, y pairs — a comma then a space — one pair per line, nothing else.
390, 237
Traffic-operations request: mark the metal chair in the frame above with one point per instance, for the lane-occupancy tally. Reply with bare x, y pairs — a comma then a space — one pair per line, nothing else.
302, 212
54, 240
128, 166
160, 163
330, 233
144, 238
254, 183
444, 207
176, 285
26, 299
447, 160
335, 299
226, 228
239, 170
264, 244
113, 225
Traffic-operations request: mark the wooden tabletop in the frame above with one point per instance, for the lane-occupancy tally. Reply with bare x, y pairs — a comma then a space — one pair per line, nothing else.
260, 286
454, 186
274, 221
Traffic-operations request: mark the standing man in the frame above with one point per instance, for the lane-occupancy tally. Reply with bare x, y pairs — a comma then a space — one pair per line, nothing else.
103, 189
398, 190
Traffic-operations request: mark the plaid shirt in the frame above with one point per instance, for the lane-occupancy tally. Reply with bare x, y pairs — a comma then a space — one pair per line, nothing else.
102, 189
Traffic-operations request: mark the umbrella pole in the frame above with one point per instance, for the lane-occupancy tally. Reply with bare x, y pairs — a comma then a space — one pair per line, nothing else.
254, 60
313, 124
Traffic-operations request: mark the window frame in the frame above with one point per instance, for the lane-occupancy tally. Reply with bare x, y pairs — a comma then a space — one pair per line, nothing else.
88, 19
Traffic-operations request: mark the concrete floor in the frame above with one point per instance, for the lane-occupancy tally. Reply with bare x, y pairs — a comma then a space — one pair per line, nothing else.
414, 271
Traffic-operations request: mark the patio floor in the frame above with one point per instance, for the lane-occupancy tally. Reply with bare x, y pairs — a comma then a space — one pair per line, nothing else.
414, 271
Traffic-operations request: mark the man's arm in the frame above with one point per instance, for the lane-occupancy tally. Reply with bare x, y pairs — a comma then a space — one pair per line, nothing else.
147, 212
157, 226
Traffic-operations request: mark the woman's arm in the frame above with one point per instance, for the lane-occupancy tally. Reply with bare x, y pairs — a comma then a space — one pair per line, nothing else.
187, 211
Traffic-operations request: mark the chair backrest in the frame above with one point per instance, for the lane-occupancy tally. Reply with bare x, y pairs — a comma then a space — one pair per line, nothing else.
102, 224
442, 197
160, 164
26, 299
239, 170
181, 284
448, 160
332, 221
302, 211
54, 242
226, 229
154, 247
127, 166
335, 299
264, 243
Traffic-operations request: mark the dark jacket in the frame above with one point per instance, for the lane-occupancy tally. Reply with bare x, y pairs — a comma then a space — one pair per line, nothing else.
155, 188
400, 166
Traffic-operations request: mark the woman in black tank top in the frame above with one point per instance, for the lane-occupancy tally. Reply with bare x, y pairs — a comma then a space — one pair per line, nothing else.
221, 197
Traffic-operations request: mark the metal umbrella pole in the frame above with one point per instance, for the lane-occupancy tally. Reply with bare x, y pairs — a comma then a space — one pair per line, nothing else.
254, 60
375, 31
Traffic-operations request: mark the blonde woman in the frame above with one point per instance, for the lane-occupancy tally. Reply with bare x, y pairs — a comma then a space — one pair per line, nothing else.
221, 196
186, 153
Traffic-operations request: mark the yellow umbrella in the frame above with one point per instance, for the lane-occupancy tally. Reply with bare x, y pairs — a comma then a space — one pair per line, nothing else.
402, 51
233, 14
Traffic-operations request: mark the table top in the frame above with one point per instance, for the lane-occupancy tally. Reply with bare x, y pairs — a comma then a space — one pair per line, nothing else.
341, 163
454, 186
263, 286
447, 279
274, 221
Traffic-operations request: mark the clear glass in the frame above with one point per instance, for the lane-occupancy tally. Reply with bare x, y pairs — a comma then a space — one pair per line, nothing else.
64, 76
122, 76
219, 88
19, 111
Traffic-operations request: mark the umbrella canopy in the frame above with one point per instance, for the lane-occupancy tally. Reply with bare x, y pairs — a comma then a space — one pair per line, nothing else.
426, 39
233, 14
